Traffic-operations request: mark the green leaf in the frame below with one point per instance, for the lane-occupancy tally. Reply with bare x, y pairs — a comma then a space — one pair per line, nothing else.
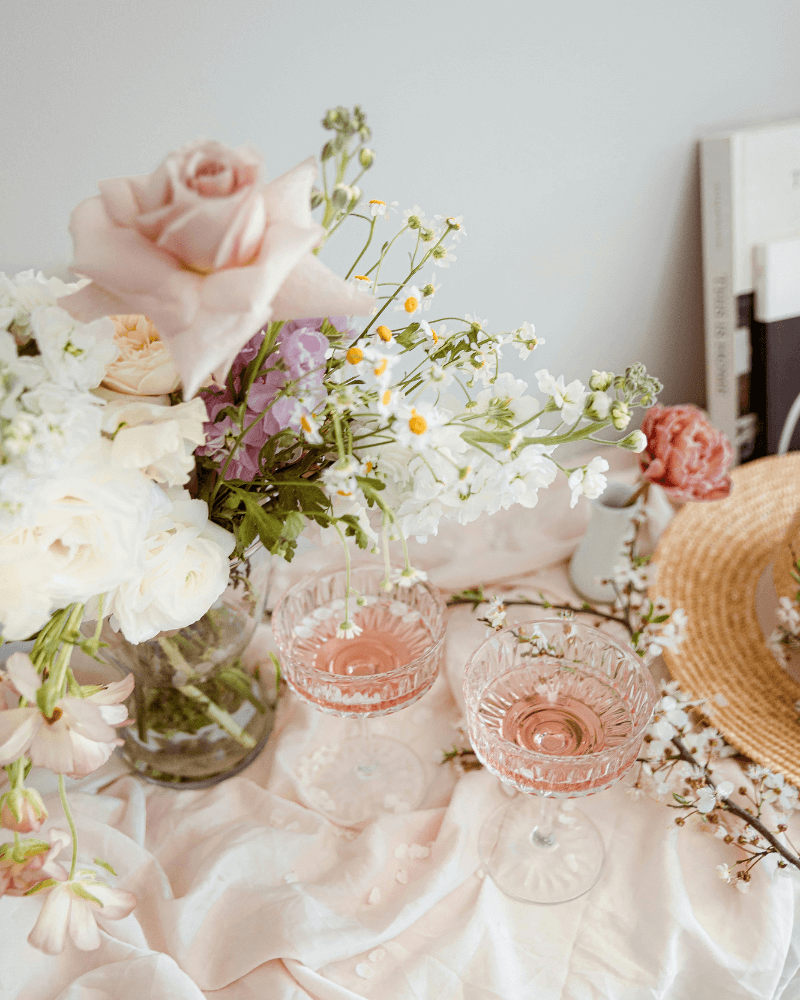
293, 525
79, 890
104, 864
48, 883
368, 483
660, 619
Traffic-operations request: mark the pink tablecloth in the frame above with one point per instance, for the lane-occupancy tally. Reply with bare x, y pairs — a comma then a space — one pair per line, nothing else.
244, 893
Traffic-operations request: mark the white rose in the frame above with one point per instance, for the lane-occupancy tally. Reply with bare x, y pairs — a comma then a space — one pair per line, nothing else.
159, 440
75, 354
186, 569
85, 536
144, 366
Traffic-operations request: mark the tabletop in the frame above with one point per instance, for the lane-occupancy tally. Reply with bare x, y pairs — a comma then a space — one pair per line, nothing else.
246, 893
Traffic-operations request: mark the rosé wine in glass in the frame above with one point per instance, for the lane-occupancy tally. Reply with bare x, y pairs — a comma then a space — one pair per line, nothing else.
390, 662
557, 709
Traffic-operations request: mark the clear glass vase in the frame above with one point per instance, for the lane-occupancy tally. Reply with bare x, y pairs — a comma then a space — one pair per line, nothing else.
200, 714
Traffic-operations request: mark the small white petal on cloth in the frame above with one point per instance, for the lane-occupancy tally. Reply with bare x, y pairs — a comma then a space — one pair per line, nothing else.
401, 851
364, 970
377, 955
418, 851
402, 876
374, 896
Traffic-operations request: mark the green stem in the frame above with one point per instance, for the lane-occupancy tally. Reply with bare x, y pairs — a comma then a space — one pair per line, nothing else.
218, 715
62, 791
366, 246
347, 621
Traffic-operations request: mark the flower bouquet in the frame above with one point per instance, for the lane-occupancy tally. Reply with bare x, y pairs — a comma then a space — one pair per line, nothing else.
204, 392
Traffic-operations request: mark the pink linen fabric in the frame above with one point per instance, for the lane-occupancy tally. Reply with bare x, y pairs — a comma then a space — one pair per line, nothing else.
207, 251
246, 894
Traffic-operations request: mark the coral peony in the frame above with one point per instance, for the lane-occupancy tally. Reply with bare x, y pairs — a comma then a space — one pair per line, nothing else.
685, 454
208, 251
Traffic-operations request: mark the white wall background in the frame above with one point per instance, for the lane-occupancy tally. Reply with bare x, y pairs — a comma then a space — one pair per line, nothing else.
565, 131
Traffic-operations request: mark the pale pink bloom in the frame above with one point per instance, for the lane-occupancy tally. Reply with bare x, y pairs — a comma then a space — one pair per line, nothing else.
76, 739
73, 907
685, 454
31, 861
22, 810
144, 366
207, 251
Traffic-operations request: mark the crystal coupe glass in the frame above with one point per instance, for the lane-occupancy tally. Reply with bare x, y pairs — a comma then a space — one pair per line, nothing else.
391, 662
557, 710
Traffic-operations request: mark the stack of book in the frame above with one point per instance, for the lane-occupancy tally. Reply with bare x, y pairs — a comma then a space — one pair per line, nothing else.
750, 190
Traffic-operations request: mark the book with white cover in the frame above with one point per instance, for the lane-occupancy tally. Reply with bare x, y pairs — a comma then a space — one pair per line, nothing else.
750, 194
776, 345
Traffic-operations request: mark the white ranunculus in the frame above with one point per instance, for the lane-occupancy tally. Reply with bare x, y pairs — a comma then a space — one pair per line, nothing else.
186, 570
84, 535
75, 354
159, 440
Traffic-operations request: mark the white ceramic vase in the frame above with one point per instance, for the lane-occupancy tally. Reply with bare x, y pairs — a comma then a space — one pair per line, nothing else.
600, 548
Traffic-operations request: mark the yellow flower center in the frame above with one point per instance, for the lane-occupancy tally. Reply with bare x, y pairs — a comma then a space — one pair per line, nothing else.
362, 277
381, 368
377, 201
417, 424
355, 355
343, 494
411, 304
305, 424
369, 467
386, 397
435, 336
384, 333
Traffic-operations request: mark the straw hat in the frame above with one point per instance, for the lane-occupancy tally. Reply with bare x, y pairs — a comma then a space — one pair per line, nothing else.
709, 562
787, 552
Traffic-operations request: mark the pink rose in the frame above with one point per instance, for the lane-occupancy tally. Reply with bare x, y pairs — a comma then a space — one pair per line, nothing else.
208, 252
685, 454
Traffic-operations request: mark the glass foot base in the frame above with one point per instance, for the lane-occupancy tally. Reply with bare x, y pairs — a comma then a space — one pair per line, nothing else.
537, 869
355, 781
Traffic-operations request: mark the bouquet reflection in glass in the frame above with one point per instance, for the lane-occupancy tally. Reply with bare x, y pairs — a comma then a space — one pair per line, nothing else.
557, 710
386, 658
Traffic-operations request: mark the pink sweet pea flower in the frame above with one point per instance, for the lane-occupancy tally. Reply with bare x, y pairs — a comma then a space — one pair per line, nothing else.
24, 864
76, 739
208, 252
72, 907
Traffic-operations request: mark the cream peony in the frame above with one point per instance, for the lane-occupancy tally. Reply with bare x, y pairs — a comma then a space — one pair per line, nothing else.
185, 571
209, 252
144, 366
159, 440
84, 535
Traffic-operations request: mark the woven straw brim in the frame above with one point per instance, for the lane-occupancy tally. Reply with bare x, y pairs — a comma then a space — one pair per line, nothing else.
709, 562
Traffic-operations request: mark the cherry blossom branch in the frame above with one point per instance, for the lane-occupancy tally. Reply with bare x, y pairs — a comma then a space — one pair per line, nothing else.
732, 807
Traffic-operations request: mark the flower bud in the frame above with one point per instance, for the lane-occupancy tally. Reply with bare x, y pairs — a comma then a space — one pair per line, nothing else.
317, 198
598, 406
600, 381
342, 196
366, 157
426, 235
635, 441
22, 810
428, 290
355, 197
620, 415
327, 151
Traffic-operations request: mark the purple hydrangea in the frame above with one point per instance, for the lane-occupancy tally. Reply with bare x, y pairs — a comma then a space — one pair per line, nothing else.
302, 348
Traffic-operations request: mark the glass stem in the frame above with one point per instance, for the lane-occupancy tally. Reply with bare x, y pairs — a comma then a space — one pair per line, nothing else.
368, 765
544, 833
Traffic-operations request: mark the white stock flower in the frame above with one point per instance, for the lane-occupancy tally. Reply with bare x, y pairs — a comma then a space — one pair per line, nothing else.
569, 399
28, 291
589, 480
159, 440
185, 570
75, 354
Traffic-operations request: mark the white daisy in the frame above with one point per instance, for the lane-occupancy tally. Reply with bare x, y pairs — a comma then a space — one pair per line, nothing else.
376, 207
410, 300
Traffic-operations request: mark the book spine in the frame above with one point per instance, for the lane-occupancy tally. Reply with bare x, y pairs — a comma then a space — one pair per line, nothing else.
719, 304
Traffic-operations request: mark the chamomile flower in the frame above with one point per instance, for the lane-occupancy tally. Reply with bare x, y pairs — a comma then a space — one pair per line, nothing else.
430, 288
455, 223
309, 427
339, 478
442, 256
376, 207
408, 577
414, 426
362, 282
414, 218
385, 334
410, 300
348, 630
440, 377
389, 401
